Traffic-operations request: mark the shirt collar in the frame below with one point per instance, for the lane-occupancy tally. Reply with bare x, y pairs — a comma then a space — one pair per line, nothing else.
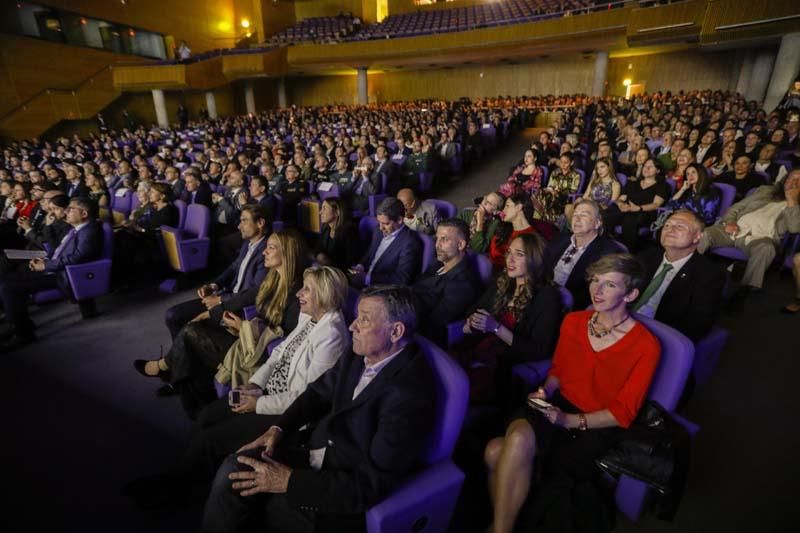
80, 227
395, 232
676, 265
574, 241
377, 367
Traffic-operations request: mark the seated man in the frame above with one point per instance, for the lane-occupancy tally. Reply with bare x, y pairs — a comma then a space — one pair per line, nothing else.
395, 254
450, 286
483, 221
364, 182
195, 190
247, 271
226, 206
82, 244
756, 226
419, 216
371, 414
567, 256
416, 163
291, 191
683, 289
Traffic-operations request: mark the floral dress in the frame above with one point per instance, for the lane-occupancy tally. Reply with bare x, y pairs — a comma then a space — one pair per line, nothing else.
550, 206
518, 182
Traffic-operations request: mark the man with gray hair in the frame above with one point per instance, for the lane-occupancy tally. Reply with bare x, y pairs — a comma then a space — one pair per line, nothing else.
371, 416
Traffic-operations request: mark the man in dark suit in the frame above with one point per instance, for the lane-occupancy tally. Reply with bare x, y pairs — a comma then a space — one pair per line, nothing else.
363, 183
707, 149
450, 286
173, 179
227, 206
395, 254
371, 415
75, 185
567, 256
82, 244
196, 191
684, 288
247, 271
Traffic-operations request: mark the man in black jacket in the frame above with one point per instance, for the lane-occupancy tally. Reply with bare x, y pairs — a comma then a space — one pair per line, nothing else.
371, 416
450, 286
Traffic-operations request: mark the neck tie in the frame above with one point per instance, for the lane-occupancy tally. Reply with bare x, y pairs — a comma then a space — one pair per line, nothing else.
651, 289
67, 238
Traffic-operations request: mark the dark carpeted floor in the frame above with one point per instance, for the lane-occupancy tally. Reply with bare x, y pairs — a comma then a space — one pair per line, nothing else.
80, 422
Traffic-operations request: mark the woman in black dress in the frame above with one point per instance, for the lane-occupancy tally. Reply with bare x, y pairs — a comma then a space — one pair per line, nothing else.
338, 240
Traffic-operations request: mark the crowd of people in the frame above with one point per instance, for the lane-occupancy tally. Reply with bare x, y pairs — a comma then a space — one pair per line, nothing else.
618, 204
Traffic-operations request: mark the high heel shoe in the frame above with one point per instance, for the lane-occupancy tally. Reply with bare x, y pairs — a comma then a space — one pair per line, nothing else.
141, 364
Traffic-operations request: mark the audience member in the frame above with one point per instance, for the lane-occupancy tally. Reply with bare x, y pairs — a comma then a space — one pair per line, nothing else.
419, 216
483, 222
696, 194
195, 189
743, 177
517, 219
338, 244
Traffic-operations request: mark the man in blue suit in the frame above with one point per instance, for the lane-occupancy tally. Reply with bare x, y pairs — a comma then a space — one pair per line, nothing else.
195, 190
82, 244
247, 271
395, 255
371, 415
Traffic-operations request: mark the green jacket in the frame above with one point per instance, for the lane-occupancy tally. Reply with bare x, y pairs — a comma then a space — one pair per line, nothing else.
479, 242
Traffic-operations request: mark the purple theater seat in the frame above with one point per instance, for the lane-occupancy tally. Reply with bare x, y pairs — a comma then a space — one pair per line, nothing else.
425, 181
374, 201
425, 502
677, 357
428, 251
727, 195
707, 352
181, 205
366, 227
350, 308
333, 192
445, 208
187, 249
482, 265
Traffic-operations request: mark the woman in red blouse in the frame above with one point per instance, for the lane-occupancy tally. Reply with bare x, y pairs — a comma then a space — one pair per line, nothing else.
22, 199
601, 372
517, 217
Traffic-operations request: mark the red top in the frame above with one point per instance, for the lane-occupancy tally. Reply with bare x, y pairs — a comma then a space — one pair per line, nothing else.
25, 210
497, 251
616, 378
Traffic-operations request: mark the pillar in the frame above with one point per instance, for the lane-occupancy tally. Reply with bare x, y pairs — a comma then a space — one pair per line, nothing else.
600, 73
762, 72
161, 108
249, 97
282, 93
745, 72
211, 105
787, 66
363, 88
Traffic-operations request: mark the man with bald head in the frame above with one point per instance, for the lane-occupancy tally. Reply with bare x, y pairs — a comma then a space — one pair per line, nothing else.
419, 216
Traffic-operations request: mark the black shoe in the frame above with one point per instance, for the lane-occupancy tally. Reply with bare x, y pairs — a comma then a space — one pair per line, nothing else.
16, 341
166, 390
139, 365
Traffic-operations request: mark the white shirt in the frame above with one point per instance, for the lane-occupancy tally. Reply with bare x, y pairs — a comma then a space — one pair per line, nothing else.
760, 224
651, 306
251, 248
701, 153
370, 372
762, 167
563, 269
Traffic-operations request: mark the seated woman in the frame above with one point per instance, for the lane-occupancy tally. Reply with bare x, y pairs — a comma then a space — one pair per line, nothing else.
602, 369
637, 205
338, 240
98, 192
144, 210
549, 202
525, 178
743, 177
696, 194
604, 188
314, 346
515, 320
725, 161
201, 345
517, 219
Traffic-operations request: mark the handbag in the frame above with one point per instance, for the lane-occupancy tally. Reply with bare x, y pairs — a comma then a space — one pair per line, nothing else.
646, 451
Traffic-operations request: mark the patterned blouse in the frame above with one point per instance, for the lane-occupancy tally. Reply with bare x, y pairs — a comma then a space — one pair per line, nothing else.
278, 381
602, 194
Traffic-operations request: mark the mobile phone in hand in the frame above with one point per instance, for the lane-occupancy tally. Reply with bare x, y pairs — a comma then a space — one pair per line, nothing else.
539, 404
234, 398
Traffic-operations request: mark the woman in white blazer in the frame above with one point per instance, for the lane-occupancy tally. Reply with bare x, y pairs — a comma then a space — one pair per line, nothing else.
314, 346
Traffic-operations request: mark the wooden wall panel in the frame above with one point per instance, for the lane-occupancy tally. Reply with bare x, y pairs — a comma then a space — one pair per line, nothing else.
276, 16
674, 71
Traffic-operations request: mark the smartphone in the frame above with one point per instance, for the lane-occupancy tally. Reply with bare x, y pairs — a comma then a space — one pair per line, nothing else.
539, 404
234, 398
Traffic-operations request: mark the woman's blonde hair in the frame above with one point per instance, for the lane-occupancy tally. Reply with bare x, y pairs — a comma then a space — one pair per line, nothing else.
274, 292
331, 286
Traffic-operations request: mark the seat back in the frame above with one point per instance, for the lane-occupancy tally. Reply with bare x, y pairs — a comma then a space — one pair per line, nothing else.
622, 178
567, 301
445, 208
582, 186
181, 205
108, 240
366, 227
677, 357
330, 192
727, 193
197, 221
350, 308
450, 406
428, 251
482, 265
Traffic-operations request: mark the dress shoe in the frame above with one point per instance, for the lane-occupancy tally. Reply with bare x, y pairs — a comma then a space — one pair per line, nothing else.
140, 364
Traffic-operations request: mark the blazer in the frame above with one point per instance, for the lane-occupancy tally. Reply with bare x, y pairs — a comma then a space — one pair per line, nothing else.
317, 353
229, 204
202, 196
85, 246
372, 443
400, 264
427, 217
576, 282
177, 188
692, 303
343, 250
442, 299
254, 272
788, 221
77, 190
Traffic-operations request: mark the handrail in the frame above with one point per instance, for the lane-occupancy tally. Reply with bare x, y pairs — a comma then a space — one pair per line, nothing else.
51, 90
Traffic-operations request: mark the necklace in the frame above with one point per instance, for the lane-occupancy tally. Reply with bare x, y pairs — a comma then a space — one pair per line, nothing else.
598, 331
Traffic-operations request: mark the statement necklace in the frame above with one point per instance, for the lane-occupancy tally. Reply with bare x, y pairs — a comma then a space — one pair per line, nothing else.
597, 330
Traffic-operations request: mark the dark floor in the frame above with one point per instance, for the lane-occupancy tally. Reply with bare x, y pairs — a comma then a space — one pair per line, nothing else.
81, 422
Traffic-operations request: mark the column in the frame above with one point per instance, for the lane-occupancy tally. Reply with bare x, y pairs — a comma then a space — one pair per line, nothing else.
762, 72
745, 72
282, 93
733, 78
787, 66
211, 105
363, 88
600, 73
249, 97
161, 108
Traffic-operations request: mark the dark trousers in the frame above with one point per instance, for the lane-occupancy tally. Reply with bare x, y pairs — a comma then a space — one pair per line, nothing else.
15, 291
180, 314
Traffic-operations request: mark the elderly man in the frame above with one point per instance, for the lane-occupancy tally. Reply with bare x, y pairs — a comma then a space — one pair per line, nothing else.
370, 414
684, 288
82, 244
756, 226
227, 206
483, 221
419, 216
196, 191
450, 286
395, 254
568, 255
363, 183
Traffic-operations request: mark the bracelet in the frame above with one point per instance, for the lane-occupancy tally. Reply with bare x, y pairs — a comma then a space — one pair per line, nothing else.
582, 425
